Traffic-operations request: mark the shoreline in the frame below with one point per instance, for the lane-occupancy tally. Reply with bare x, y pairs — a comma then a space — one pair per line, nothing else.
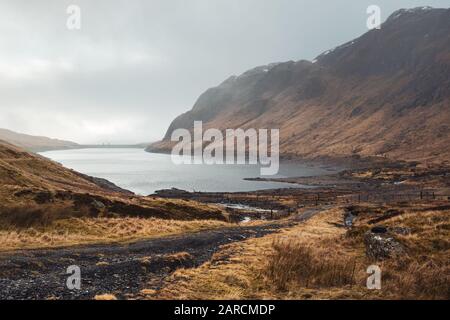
337, 162
335, 176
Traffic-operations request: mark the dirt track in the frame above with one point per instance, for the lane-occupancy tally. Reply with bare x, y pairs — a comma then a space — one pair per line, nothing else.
122, 270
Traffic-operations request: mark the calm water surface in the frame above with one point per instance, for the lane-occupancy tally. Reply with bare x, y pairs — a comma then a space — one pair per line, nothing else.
144, 173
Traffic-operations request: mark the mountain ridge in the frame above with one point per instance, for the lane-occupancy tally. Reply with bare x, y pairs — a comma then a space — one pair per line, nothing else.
385, 94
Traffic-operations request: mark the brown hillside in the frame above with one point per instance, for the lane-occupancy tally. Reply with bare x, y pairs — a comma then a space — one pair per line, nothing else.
19, 168
386, 93
34, 143
31, 185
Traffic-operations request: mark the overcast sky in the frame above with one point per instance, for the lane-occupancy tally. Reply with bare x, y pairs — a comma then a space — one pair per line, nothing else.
136, 64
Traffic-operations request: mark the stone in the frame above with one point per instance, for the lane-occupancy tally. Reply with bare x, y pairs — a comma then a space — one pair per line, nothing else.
348, 220
381, 246
98, 204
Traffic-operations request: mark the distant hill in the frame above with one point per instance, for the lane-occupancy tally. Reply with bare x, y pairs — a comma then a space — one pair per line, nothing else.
21, 169
35, 143
386, 93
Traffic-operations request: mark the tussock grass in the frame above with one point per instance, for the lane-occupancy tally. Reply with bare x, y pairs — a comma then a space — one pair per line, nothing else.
418, 279
309, 266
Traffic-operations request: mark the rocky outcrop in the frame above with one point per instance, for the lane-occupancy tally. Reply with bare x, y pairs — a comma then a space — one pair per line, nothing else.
105, 184
381, 245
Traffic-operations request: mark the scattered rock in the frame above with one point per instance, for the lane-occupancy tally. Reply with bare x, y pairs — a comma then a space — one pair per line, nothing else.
98, 204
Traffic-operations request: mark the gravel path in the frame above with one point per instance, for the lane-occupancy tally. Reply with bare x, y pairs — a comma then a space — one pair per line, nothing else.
120, 269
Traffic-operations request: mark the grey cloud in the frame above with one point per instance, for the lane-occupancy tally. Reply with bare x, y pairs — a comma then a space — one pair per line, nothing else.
137, 64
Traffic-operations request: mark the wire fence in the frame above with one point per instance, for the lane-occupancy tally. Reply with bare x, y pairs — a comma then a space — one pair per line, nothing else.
395, 197
327, 198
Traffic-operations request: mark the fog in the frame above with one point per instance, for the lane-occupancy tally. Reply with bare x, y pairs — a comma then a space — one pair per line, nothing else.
134, 65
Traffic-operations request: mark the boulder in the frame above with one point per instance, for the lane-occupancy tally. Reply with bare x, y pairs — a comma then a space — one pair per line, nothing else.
380, 246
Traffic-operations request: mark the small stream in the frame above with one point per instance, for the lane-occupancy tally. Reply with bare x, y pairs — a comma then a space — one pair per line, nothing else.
249, 213
244, 207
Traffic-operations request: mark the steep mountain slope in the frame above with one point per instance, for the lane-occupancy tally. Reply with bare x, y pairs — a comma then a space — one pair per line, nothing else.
34, 143
386, 93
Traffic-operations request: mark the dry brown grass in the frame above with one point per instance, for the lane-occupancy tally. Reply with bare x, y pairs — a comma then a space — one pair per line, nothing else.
22, 216
224, 277
309, 266
320, 260
425, 272
422, 273
148, 292
423, 278
68, 219
105, 297
239, 270
75, 231
180, 256
19, 168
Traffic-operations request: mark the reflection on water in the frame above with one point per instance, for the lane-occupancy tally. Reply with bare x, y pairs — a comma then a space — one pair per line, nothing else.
144, 173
